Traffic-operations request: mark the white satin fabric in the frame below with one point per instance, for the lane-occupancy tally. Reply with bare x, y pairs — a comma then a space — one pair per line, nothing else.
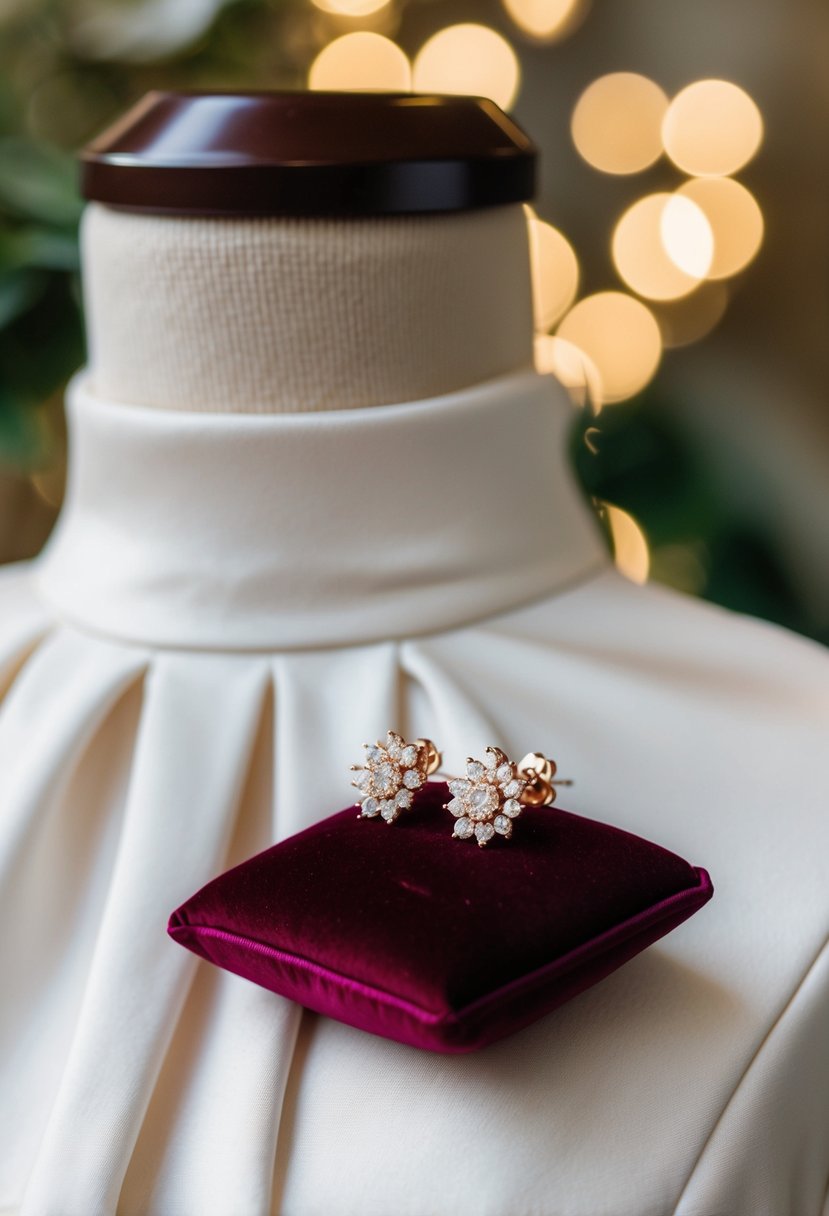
230, 606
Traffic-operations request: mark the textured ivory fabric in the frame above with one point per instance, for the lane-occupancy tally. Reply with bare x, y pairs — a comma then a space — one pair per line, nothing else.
283, 314
187, 674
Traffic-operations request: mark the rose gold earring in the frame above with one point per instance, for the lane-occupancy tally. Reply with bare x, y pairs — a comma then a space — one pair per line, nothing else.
391, 774
495, 791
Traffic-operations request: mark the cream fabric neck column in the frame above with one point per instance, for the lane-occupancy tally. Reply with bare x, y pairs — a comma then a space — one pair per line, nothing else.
247, 532
289, 315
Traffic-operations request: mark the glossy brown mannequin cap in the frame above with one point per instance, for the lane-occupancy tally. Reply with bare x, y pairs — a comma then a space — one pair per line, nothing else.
309, 153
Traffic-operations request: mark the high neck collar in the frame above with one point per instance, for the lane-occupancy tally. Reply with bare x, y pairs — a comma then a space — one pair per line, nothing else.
245, 532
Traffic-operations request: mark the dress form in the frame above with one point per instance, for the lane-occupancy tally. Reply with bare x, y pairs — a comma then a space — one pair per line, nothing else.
246, 583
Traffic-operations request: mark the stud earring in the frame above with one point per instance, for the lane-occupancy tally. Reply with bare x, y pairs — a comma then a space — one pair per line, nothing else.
391, 774
495, 791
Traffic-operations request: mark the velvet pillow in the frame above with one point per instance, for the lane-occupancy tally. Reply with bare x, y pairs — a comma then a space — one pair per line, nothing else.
403, 931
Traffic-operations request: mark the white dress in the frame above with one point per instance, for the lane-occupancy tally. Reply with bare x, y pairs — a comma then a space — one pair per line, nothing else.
230, 606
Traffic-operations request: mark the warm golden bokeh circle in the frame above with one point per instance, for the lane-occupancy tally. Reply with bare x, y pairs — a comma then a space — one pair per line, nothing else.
620, 336
351, 8
468, 58
630, 547
712, 128
361, 60
662, 246
555, 273
735, 218
617, 123
544, 20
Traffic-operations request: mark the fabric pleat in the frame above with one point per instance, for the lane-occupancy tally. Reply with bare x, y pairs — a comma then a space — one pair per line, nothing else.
177, 822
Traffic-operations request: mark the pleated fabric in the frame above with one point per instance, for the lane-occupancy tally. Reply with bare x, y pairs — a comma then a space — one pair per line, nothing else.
137, 1080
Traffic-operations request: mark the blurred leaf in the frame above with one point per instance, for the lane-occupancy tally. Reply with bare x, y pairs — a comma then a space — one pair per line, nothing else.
19, 289
38, 182
42, 248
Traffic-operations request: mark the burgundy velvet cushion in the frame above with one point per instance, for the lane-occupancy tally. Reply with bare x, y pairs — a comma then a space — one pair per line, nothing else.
404, 932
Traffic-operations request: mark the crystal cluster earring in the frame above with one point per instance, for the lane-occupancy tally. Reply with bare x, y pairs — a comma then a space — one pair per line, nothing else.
495, 791
391, 774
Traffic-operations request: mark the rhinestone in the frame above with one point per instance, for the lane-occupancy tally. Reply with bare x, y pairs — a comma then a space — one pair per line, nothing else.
371, 807
474, 770
374, 753
394, 746
502, 825
403, 798
408, 756
513, 789
459, 787
504, 773
456, 807
386, 778
491, 759
512, 808
463, 829
482, 802
389, 811
484, 832
412, 779
362, 779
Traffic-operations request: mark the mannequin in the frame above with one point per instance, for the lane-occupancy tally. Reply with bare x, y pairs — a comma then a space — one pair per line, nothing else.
277, 544
289, 314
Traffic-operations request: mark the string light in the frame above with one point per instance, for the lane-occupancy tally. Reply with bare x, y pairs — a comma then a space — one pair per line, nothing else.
555, 273
468, 58
617, 123
544, 20
712, 128
620, 336
662, 246
735, 219
361, 60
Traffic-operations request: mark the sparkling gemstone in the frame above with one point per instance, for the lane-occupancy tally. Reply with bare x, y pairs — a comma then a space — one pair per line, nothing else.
394, 746
491, 759
458, 787
502, 825
412, 779
386, 778
474, 770
408, 756
403, 798
513, 789
504, 773
371, 807
482, 801
484, 832
374, 753
511, 808
362, 779
389, 811
456, 807
463, 829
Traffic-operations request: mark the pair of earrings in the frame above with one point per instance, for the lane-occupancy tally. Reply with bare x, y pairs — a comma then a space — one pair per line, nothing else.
484, 803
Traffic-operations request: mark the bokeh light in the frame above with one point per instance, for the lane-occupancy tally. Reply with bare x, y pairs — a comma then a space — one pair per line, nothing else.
544, 20
572, 367
735, 218
712, 128
361, 60
351, 8
630, 548
663, 246
617, 123
620, 336
555, 273
468, 58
